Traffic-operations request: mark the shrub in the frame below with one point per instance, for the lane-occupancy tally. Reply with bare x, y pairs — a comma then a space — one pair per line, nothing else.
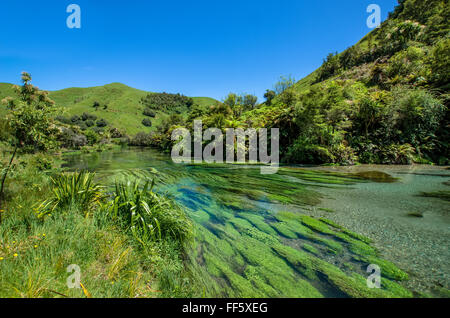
148, 112
141, 139
75, 118
87, 116
304, 151
98, 130
72, 190
149, 216
92, 137
147, 122
102, 123
63, 119
165, 101
116, 133
89, 123
70, 139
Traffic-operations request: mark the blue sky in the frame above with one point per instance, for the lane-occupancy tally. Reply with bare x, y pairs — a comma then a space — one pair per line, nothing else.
198, 48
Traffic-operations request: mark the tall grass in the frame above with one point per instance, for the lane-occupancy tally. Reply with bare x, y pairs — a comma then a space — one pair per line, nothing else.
35, 251
72, 190
150, 216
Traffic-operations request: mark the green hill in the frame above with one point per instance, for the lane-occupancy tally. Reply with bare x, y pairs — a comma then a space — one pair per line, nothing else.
124, 108
384, 100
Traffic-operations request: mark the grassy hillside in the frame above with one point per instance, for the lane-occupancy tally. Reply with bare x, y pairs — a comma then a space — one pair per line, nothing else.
384, 100
124, 109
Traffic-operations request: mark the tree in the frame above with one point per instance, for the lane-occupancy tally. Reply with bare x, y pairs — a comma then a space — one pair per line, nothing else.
30, 120
269, 96
330, 67
283, 84
249, 101
96, 105
147, 122
289, 97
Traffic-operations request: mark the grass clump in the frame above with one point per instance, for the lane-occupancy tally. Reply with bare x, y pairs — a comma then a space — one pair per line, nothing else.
71, 190
148, 215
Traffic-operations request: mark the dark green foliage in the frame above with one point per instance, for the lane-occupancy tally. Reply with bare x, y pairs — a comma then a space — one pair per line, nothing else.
87, 116
167, 102
330, 67
69, 139
269, 95
147, 122
63, 119
141, 139
101, 123
148, 112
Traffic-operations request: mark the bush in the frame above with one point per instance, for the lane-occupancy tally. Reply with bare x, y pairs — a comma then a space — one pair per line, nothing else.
70, 139
116, 133
63, 119
165, 101
101, 123
149, 216
148, 112
70, 191
304, 151
147, 122
75, 118
89, 123
98, 130
92, 137
42, 162
87, 116
141, 139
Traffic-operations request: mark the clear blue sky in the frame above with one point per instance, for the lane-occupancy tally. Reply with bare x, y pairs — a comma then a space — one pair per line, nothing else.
198, 48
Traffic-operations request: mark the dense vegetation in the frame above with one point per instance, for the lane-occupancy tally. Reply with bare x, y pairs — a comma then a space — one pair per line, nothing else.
128, 240
383, 100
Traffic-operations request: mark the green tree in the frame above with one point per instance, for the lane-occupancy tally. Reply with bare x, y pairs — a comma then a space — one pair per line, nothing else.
30, 121
249, 101
269, 96
283, 84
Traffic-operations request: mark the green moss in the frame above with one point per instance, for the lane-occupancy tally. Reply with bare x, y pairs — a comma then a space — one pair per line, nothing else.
388, 269
331, 223
253, 275
334, 246
356, 246
396, 289
316, 225
310, 249
261, 236
301, 261
284, 230
357, 236
259, 222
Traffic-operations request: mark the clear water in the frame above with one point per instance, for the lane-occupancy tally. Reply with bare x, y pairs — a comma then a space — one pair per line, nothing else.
225, 200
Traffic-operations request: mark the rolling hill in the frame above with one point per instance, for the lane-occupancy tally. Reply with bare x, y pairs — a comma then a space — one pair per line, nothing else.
124, 109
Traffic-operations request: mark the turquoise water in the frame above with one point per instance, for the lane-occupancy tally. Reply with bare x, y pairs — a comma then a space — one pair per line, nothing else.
260, 235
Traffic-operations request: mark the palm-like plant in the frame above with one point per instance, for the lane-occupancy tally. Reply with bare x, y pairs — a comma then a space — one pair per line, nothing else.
73, 190
150, 216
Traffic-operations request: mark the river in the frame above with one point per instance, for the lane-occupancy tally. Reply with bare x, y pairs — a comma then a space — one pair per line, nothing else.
260, 235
